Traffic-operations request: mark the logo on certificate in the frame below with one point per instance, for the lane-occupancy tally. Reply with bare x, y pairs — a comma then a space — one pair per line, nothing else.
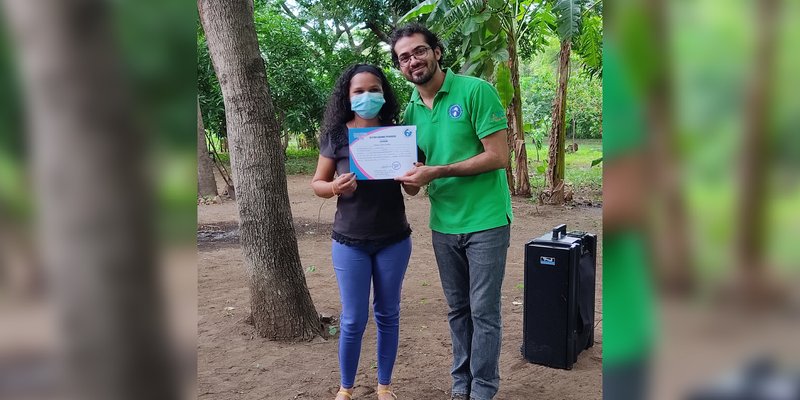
455, 111
382, 152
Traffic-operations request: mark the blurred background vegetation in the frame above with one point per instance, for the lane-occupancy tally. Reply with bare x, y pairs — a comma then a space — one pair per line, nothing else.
156, 45
717, 81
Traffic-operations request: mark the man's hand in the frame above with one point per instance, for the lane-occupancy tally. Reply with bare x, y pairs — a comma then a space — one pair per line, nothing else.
419, 176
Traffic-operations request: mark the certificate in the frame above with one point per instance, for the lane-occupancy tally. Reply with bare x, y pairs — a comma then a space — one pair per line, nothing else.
382, 152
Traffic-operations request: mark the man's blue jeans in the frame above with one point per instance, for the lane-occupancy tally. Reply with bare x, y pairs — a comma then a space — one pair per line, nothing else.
471, 267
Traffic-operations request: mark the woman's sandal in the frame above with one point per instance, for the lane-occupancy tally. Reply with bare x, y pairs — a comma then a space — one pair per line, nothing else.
386, 391
345, 394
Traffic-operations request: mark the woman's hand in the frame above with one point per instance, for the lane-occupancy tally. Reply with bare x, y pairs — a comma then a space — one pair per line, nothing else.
344, 184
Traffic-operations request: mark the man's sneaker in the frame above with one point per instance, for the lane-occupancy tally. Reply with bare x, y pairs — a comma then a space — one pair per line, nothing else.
459, 396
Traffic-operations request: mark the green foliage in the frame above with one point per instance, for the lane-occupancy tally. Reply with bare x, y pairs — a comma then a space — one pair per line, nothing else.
155, 39
537, 138
468, 16
536, 30
11, 112
298, 97
208, 91
423, 8
568, 18
538, 86
504, 87
335, 34
589, 45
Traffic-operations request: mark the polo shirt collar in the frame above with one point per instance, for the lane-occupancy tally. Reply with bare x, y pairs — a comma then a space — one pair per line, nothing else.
448, 82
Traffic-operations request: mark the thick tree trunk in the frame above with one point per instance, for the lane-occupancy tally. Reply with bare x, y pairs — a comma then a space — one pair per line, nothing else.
516, 134
206, 184
281, 304
93, 202
554, 194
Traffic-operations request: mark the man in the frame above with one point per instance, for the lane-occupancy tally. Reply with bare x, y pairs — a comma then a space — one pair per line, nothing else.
461, 129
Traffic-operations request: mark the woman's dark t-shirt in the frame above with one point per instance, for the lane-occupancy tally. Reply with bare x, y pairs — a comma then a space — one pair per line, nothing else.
375, 213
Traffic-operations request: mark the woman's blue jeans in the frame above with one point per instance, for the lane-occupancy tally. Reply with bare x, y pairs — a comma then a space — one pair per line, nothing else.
356, 268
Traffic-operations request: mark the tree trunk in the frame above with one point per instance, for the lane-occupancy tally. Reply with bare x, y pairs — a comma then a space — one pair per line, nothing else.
510, 140
671, 244
282, 308
554, 194
284, 135
755, 154
516, 133
574, 128
206, 184
93, 202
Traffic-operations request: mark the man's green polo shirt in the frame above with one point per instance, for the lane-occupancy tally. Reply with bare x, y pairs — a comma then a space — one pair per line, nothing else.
465, 110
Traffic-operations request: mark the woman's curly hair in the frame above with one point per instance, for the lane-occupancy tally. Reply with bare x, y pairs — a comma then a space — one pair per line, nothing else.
338, 111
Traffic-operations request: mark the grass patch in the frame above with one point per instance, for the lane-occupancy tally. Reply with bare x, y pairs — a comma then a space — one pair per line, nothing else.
298, 161
585, 180
301, 161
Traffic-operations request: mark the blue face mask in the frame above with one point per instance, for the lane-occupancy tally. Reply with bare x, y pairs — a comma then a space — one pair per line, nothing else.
367, 105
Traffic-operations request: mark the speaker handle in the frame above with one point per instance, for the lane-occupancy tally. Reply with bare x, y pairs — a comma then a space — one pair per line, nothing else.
559, 231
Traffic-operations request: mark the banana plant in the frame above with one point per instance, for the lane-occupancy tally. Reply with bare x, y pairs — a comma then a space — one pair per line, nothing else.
568, 25
490, 32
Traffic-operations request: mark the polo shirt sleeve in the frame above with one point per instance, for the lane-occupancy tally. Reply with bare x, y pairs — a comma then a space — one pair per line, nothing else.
488, 115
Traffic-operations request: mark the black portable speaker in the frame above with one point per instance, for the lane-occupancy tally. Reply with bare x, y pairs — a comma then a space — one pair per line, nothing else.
558, 305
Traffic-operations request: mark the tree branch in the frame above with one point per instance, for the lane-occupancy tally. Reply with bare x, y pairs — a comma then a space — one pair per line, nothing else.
349, 37
339, 33
372, 26
295, 17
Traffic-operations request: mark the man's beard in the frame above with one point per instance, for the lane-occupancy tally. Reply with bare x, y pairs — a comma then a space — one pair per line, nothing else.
425, 78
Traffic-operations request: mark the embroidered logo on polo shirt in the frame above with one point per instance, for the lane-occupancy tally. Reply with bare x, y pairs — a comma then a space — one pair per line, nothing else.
455, 111
497, 116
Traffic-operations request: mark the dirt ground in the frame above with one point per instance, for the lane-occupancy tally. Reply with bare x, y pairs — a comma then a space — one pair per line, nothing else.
234, 363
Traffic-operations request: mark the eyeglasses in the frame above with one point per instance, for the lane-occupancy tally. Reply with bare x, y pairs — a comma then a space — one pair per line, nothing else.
418, 53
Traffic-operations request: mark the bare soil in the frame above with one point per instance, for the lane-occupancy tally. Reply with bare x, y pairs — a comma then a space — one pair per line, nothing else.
234, 363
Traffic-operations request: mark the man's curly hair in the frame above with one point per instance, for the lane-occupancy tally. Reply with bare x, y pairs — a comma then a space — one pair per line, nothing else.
338, 111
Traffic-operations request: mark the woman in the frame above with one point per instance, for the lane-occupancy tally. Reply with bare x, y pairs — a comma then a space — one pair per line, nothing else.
371, 236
